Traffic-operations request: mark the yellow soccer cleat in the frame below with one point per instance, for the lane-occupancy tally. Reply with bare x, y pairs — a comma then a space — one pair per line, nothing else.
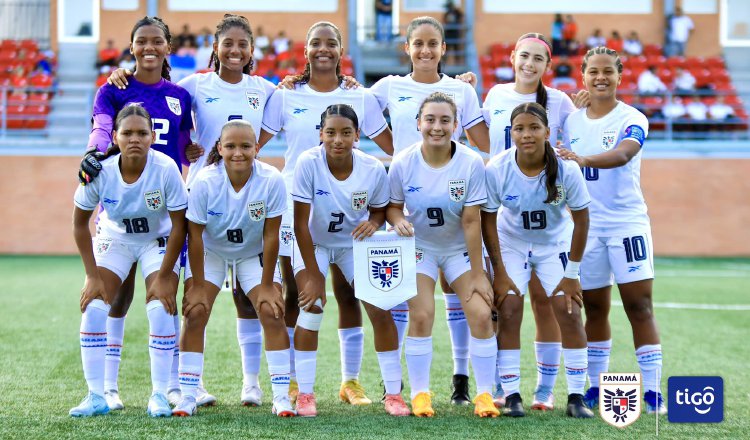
484, 406
352, 392
293, 391
421, 405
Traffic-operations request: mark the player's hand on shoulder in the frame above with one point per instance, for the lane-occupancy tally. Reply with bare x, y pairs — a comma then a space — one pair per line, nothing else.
566, 154
468, 77
581, 99
119, 78
351, 82
193, 152
90, 165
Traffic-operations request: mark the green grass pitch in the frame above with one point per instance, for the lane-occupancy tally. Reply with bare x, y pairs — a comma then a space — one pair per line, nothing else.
41, 369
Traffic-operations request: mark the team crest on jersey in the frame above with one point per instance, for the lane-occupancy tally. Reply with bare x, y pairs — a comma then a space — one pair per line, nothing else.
560, 195
419, 253
257, 210
174, 105
385, 267
253, 99
102, 245
287, 236
620, 398
154, 200
457, 189
608, 139
452, 96
359, 200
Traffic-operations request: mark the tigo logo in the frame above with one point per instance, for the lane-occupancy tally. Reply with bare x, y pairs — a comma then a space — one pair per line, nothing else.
696, 399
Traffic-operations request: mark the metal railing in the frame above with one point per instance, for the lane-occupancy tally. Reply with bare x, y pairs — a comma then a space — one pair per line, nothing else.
25, 19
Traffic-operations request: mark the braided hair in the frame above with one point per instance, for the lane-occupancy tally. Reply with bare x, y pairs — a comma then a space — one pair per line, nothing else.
158, 22
550, 159
228, 22
304, 77
601, 50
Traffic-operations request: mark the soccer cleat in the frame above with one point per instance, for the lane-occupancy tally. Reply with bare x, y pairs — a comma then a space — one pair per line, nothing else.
282, 407
395, 405
91, 405
422, 405
544, 400
484, 406
499, 397
203, 398
591, 399
514, 406
577, 408
460, 394
654, 403
352, 392
113, 400
306, 405
158, 405
174, 396
293, 391
186, 407
251, 395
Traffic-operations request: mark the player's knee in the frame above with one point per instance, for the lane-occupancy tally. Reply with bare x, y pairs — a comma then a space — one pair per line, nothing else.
197, 317
311, 320
639, 310
420, 318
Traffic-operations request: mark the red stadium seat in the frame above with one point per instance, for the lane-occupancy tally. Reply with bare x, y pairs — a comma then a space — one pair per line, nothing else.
715, 62
733, 100
36, 116
655, 60
725, 88
719, 75
666, 75
485, 61
8, 45
30, 45
17, 98
652, 49
14, 115
675, 62
7, 55
640, 62
702, 77
42, 81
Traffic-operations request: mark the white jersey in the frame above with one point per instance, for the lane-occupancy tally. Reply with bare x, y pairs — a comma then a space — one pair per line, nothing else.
502, 99
435, 197
216, 101
339, 206
135, 213
298, 111
525, 215
617, 204
403, 96
235, 220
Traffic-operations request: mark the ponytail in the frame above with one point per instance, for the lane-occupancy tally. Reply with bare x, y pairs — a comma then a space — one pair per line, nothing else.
213, 155
550, 171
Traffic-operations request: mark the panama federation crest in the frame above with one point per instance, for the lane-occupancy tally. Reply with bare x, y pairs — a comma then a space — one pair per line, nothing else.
174, 105
385, 267
620, 398
286, 235
560, 195
609, 137
256, 210
253, 99
359, 200
102, 245
419, 253
154, 200
457, 189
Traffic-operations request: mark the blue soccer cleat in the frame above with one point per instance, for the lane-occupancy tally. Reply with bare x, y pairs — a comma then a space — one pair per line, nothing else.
158, 406
591, 399
654, 403
91, 405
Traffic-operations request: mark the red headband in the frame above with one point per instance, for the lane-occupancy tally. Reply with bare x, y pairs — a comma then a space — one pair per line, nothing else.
538, 40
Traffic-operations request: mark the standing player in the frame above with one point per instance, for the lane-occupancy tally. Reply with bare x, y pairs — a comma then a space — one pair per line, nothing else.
234, 213
441, 184
143, 220
535, 189
402, 96
606, 140
295, 112
531, 57
169, 105
339, 194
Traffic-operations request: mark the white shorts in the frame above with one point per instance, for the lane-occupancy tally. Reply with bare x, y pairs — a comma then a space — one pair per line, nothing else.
118, 257
453, 266
286, 231
341, 257
548, 261
621, 259
249, 271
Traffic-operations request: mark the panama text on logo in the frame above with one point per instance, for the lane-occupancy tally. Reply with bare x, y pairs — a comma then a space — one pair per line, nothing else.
620, 398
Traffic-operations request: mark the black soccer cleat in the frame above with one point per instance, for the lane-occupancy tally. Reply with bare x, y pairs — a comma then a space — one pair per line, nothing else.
577, 409
460, 394
514, 406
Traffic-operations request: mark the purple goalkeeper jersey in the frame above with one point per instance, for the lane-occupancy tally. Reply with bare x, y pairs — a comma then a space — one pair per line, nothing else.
167, 103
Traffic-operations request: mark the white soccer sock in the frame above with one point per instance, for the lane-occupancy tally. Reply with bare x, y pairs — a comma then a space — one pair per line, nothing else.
510, 371
483, 354
306, 362
292, 364
400, 315
174, 376
649, 359
191, 371
576, 363
459, 331
115, 336
418, 362
93, 338
598, 354
547, 363
251, 342
390, 370
278, 368
498, 380
161, 344
352, 346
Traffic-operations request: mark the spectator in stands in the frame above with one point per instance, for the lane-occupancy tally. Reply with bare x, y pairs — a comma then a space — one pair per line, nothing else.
649, 83
680, 28
558, 41
186, 50
281, 43
185, 38
383, 20
596, 39
109, 56
504, 72
720, 110
262, 42
127, 61
684, 82
697, 111
673, 109
570, 31
563, 74
204, 35
203, 54
18, 80
453, 20
615, 42
632, 45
